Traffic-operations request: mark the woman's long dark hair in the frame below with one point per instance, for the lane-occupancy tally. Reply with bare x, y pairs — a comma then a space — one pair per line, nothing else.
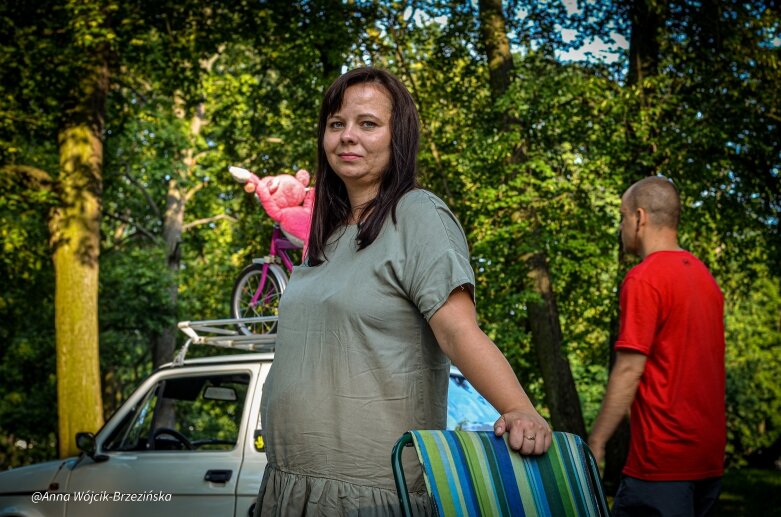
332, 206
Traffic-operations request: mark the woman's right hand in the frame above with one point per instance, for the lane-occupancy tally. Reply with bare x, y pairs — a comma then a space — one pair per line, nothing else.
529, 433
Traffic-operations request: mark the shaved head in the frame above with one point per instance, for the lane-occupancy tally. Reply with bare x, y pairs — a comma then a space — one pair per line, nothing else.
658, 197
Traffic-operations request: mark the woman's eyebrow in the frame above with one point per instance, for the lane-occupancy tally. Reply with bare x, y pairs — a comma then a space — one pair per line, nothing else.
359, 115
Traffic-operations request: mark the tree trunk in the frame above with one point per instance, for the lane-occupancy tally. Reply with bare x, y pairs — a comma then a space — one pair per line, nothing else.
173, 220
164, 344
173, 226
330, 36
646, 18
561, 395
75, 234
493, 33
560, 392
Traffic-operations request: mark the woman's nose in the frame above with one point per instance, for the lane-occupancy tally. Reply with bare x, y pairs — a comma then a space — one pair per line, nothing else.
347, 134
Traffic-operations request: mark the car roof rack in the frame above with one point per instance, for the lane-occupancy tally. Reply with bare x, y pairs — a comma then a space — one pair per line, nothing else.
226, 333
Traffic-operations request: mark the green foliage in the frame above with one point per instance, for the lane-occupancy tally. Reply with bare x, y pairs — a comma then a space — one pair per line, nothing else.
709, 120
28, 419
24, 242
134, 308
205, 419
562, 198
27, 358
750, 492
753, 328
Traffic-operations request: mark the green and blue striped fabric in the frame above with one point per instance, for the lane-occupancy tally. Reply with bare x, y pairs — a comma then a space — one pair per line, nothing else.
474, 473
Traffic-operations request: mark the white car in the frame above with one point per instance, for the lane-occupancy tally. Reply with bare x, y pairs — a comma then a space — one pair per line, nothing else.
187, 442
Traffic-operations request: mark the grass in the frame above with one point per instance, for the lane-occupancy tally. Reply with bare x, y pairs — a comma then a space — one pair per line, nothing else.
752, 492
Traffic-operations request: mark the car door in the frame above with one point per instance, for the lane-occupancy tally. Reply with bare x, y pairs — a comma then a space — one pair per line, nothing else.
175, 449
255, 452
466, 408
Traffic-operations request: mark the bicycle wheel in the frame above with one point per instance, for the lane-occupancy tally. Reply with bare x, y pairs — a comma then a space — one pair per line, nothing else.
267, 303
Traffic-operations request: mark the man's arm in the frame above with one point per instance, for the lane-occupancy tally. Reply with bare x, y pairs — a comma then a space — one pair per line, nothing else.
621, 388
459, 336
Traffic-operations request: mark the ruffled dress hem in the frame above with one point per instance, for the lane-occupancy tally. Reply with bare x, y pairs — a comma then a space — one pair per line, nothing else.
290, 494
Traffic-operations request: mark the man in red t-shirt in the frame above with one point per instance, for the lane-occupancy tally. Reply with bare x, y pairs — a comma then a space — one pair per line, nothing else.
669, 366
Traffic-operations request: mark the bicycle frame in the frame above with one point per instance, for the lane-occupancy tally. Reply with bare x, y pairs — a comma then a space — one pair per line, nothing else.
269, 274
277, 253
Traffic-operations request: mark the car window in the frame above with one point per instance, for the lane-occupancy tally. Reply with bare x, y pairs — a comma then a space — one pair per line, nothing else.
466, 408
198, 413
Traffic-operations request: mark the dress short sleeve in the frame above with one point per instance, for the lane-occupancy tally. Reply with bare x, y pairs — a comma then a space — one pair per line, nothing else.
435, 258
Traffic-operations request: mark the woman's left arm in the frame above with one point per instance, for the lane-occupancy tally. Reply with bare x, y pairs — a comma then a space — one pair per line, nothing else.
455, 327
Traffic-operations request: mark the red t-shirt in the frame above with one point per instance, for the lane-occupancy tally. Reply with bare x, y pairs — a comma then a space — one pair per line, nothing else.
672, 311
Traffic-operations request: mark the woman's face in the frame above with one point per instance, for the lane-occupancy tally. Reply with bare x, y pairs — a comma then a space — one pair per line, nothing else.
357, 140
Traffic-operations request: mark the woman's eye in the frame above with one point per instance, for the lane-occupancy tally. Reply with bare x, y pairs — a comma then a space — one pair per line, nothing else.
336, 125
368, 123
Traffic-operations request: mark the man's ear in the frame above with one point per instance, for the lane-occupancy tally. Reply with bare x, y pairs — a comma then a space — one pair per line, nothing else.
641, 217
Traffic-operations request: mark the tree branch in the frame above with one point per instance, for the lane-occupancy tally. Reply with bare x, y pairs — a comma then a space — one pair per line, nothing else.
191, 192
119, 243
149, 200
148, 234
207, 220
32, 176
119, 80
201, 154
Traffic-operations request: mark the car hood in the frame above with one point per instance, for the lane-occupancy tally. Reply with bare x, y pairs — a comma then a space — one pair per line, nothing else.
32, 478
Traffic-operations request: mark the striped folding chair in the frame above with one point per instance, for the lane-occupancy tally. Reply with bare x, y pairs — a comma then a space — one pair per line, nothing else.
474, 473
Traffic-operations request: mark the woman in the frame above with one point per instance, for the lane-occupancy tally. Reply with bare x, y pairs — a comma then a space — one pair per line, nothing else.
367, 325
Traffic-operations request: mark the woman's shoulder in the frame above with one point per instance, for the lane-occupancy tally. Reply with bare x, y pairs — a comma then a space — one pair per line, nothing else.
421, 201
422, 212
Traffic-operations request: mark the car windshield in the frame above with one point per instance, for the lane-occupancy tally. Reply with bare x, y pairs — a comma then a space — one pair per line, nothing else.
466, 408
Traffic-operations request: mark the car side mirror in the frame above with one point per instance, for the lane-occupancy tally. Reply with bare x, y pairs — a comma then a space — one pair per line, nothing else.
86, 444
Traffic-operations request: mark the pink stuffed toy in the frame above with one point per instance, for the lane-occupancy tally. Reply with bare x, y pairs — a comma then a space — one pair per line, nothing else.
286, 198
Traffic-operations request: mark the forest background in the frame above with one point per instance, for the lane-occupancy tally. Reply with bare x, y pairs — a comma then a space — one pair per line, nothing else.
118, 121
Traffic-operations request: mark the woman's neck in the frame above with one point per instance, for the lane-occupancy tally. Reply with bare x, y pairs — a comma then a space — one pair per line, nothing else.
358, 203
358, 213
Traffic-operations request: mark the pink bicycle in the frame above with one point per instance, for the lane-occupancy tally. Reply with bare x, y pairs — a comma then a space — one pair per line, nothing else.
260, 285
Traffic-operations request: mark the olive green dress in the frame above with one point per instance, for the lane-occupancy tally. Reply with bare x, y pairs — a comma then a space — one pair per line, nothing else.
357, 365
